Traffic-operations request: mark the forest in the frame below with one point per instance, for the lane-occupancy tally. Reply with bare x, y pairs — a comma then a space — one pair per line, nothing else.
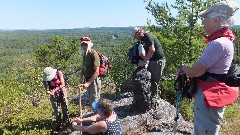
26, 109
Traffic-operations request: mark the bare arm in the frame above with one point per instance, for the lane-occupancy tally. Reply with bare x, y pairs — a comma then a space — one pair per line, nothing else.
94, 76
98, 127
196, 70
93, 118
150, 53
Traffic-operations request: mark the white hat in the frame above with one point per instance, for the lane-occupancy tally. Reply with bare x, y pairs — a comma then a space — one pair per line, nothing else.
49, 73
223, 7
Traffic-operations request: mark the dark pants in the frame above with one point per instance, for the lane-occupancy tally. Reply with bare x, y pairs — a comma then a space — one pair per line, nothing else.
156, 69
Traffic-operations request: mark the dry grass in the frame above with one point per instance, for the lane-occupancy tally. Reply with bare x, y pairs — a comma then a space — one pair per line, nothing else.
231, 121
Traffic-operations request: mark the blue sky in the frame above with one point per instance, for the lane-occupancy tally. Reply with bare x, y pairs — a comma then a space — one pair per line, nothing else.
68, 14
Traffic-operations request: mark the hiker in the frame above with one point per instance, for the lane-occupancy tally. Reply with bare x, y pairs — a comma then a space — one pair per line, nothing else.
155, 56
211, 96
90, 70
106, 120
54, 85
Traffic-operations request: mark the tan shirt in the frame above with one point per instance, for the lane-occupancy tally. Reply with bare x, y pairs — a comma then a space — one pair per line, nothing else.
90, 61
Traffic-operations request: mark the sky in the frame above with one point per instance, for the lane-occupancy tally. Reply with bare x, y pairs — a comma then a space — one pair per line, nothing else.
69, 14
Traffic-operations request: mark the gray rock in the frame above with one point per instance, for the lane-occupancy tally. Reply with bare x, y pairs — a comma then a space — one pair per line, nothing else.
159, 121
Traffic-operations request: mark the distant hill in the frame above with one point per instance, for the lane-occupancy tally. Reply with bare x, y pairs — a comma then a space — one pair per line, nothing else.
71, 30
236, 26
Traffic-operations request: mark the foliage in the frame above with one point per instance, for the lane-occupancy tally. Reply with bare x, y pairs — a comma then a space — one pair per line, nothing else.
179, 35
237, 44
61, 53
121, 71
24, 106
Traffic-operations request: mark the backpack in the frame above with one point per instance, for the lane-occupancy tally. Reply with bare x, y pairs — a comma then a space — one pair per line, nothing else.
104, 67
141, 89
134, 53
232, 78
233, 75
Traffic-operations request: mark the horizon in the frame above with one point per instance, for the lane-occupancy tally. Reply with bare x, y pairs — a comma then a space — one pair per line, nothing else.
78, 28
61, 14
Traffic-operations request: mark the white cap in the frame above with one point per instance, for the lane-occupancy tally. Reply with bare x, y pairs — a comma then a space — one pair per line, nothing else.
223, 7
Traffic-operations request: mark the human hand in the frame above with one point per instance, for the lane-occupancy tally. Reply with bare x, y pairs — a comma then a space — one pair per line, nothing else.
85, 85
48, 92
77, 121
52, 92
74, 123
179, 72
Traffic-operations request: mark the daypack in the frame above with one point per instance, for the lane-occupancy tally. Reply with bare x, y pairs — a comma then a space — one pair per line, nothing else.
104, 67
232, 78
141, 89
134, 53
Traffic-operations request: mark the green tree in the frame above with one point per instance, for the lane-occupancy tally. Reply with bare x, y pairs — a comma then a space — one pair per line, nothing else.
237, 44
179, 34
61, 53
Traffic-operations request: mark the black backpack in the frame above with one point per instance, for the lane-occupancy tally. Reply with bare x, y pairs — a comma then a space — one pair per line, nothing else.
233, 75
141, 89
232, 78
134, 53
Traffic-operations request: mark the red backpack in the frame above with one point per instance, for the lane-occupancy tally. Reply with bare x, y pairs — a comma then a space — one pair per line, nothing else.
104, 67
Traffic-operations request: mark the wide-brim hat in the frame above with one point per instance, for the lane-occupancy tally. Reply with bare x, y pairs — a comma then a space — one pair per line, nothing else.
49, 73
95, 106
223, 7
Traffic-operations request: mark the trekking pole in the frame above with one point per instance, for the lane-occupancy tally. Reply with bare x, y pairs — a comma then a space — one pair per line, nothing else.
178, 84
178, 100
80, 103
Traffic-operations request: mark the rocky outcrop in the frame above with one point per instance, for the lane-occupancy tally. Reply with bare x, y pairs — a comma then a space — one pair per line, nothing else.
159, 121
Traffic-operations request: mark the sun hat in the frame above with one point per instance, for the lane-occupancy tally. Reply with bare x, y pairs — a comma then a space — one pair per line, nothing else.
223, 7
49, 73
95, 106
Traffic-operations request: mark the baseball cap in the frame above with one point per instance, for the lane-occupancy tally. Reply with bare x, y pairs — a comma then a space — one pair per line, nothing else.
95, 106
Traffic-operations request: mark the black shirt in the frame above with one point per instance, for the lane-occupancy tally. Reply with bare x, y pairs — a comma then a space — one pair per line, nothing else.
150, 39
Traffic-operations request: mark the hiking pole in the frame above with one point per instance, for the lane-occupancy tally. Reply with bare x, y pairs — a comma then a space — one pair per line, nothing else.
178, 100
80, 103
178, 84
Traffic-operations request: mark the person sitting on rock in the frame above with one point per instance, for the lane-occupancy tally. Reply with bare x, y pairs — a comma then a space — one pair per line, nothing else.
107, 122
